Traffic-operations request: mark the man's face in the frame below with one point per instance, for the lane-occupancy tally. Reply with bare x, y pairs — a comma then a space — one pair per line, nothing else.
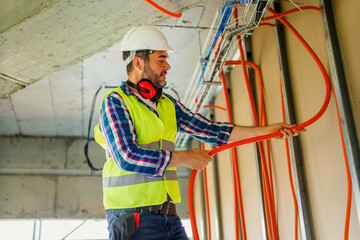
156, 69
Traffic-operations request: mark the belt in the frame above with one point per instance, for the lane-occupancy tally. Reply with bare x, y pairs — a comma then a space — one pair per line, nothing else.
167, 208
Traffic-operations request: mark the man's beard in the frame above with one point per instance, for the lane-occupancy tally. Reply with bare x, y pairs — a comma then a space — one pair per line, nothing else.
153, 77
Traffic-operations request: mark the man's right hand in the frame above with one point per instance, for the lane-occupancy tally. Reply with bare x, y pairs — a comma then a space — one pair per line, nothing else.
195, 159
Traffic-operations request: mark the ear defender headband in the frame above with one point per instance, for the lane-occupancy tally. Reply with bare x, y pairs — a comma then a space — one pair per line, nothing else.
147, 89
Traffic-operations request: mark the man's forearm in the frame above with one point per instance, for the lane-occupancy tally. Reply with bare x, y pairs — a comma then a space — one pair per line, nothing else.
241, 132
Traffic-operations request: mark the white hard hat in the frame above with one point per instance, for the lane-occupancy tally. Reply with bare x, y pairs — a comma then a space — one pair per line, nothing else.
144, 38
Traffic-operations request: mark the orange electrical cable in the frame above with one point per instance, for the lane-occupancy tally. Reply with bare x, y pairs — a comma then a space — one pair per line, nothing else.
206, 198
302, 125
176, 15
236, 174
296, 211
213, 106
218, 48
266, 24
348, 177
273, 234
263, 121
191, 204
348, 207
262, 110
268, 192
262, 105
321, 67
271, 135
275, 16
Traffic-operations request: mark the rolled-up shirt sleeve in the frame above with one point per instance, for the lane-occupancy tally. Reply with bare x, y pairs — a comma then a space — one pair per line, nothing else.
120, 135
215, 133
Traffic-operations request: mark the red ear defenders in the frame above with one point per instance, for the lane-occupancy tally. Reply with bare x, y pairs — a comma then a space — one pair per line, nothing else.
147, 89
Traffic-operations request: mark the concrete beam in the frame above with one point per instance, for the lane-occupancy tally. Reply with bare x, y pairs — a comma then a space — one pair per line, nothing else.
40, 37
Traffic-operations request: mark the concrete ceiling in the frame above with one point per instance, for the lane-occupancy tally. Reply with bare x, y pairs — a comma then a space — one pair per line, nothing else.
55, 54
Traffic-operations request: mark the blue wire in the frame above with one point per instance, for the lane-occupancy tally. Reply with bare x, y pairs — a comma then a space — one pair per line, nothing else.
225, 12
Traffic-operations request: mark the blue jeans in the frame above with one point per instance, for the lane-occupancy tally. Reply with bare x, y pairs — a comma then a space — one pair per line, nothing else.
152, 226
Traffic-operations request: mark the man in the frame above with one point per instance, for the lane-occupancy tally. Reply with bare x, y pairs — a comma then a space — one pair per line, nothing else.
138, 124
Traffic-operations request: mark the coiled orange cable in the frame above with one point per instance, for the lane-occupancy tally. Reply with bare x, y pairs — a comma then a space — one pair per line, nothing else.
267, 136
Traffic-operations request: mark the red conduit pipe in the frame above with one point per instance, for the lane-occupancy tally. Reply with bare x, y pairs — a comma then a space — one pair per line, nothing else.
262, 110
296, 211
348, 207
266, 24
213, 106
176, 15
302, 125
236, 174
268, 191
218, 49
291, 11
238, 206
321, 67
263, 121
262, 105
206, 198
349, 184
266, 136
191, 204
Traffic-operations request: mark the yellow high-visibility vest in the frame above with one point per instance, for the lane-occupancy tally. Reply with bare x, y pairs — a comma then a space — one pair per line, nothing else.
124, 189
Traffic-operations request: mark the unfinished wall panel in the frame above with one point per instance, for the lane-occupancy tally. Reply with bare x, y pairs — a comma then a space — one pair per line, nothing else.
321, 145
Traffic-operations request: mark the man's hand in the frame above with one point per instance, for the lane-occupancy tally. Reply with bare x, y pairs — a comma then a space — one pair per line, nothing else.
286, 129
195, 159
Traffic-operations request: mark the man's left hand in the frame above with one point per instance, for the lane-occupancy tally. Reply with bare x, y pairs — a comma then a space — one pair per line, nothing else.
287, 130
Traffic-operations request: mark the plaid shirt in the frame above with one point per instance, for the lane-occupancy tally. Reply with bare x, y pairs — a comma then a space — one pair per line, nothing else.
120, 135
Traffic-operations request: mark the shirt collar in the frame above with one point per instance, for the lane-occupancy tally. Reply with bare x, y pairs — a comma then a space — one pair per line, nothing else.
126, 89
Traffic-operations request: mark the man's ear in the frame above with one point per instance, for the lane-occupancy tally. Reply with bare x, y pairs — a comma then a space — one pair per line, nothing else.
138, 63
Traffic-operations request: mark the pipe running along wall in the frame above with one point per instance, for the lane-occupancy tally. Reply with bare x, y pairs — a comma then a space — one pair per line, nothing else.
273, 232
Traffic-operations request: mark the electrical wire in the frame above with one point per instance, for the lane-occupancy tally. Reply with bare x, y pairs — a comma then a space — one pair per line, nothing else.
296, 211
176, 15
323, 71
206, 199
269, 199
348, 176
236, 175
272, 135
275, 16
213, 106
86, 147
262, 115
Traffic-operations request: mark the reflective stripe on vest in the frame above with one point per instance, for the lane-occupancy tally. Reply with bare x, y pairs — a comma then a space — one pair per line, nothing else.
137, 178
165, 145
